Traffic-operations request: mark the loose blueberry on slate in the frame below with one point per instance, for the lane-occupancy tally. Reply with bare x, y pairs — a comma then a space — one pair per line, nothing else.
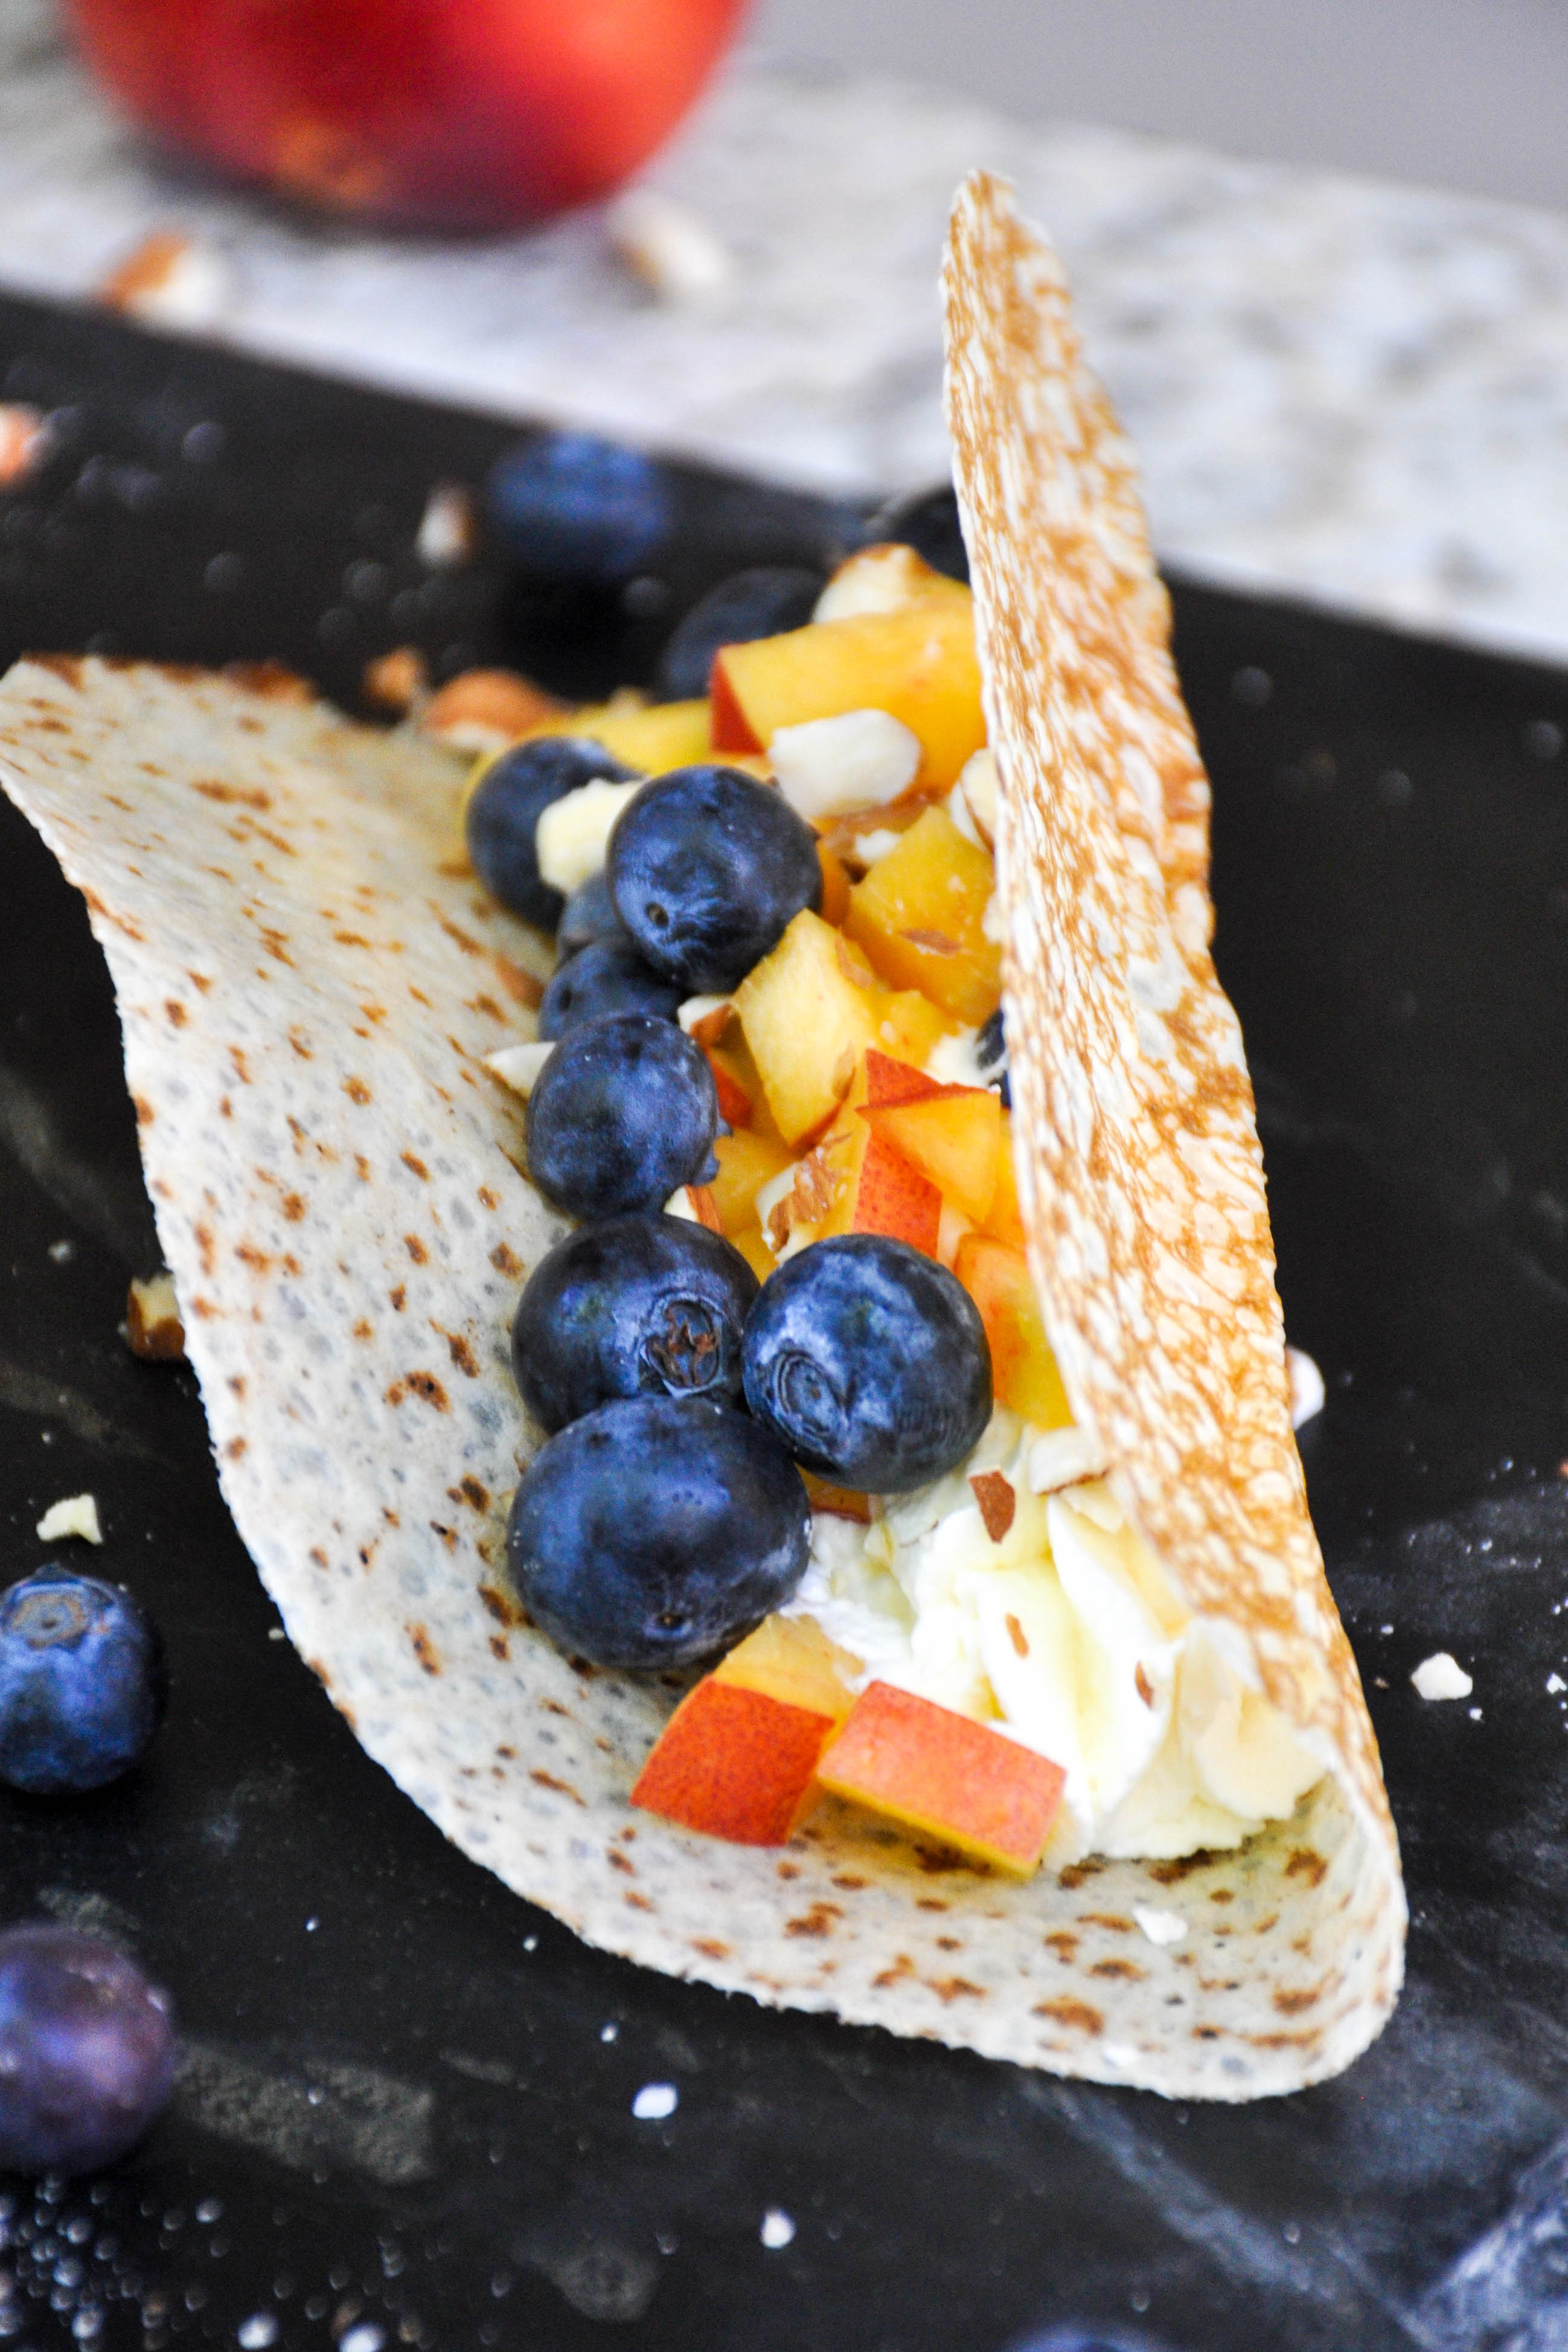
707, 868
581, 510
992, 1053
86, 2051
656, 1531
82, 1684
623, 1111
504, 809
588, 915
607, 977
870, 1362
634, 1306
760, 602
926, 521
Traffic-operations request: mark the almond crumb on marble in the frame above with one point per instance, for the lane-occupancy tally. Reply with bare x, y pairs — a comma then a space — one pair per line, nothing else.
24, 440
670, 248
170, 280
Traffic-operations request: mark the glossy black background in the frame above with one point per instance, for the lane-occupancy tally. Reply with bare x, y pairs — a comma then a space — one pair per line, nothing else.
398, 2087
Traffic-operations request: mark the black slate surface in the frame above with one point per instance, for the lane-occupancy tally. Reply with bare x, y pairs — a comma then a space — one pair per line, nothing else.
405, 2114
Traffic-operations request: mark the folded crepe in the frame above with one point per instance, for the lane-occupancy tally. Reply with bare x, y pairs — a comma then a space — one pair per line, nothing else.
307, 985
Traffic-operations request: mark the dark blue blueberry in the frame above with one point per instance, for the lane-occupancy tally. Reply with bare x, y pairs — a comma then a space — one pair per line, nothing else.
573, 508
870, 1362
623, 1111
607, 977
81, 1683
588, 915
707, 868
86, 2051
504, 809
926, 521
991, 1053
761, 603
634, 1306
656, 1531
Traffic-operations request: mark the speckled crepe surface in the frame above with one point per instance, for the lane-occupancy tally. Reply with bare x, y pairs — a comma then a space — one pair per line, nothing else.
1142, 1182
304, 994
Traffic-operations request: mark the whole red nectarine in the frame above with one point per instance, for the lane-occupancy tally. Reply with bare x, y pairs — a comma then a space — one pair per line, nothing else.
455, 113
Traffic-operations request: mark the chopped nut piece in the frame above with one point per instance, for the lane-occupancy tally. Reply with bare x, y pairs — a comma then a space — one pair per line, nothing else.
696, 1202
77, 1514
485, 709
1442, 1677
397, 681
670, 248
705, 1019
519, 1066
170, 281
448, 533
1308, 1394
153, 1330
1061, 1458
997, 1503
24, 438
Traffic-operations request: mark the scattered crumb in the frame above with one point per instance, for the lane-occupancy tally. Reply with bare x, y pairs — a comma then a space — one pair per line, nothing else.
77, 1514
1442, 1677
153, 1326
668, 245
778, 2229
610, 2033
275, 1633
24, 442
1307, 1390
1474, 1713
654, 2100
1160, 1926
170, 281
448, 532
398, 681
485, 709
62, 1253
519, 1066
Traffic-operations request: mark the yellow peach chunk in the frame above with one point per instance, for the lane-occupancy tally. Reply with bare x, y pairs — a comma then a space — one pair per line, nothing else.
920, 917
747, 1161
792, 1659
655, 737
806, 1026
1024, 1372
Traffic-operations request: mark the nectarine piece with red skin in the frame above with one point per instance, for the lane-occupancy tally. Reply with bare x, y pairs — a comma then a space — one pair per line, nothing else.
952, 1136
945, 1777
1024, 1373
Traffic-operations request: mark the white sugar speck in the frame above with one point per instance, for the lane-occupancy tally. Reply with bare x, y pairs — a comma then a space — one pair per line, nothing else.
363, 2338
609, 2032
311, 1926
1160, 1927
654, 2100
778, 2229
1475, 1714
1442, 1677
1554, 1683
257, 2332
530, 1943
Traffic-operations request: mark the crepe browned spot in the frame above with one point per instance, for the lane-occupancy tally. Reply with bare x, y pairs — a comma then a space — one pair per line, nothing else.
306, 991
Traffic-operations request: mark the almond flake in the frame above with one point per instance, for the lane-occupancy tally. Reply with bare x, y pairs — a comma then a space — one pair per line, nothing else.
997, 1503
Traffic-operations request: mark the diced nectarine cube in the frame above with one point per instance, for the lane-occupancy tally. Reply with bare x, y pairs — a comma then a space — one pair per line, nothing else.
920, 916
745, 1162
945, 1776
735, 1763
890, 1079
885, 578
953, 1137
806, 1026
839, 1502
792, 1659
1003, 1220
873, 1188
735, 1105
1024, 1375
754, 1247
909, 1025
654, 737
918, 663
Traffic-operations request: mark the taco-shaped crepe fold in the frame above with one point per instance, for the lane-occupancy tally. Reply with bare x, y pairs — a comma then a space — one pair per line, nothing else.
309, 985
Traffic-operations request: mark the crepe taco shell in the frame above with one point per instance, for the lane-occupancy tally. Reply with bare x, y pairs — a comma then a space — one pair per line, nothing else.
306, 996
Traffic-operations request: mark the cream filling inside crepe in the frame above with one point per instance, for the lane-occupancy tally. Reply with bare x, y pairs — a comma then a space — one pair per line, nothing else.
1065, 1634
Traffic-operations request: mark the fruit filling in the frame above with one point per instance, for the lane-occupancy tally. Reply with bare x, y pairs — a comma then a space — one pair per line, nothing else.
803, 1416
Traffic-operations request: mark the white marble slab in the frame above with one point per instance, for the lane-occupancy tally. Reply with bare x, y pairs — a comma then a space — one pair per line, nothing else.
1349, 392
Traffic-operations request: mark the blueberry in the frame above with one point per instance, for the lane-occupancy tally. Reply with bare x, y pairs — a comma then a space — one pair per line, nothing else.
504, 809
588, 915
634, 1306
86, 2051
623, 1112
82, 1684
926, 521
870, 1362
656, 1531
607, 977
760, 602
579, 509
707, 868
991, 1053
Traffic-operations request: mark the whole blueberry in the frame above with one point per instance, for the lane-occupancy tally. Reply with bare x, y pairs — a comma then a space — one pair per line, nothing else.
82, 1684
507, 804
579, 509
707, 868
588, 915
762, 602
992, 1053
926, 521
870, 1362
86, 2051
633, 1307
623, 1112
656, 1531
607, 977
